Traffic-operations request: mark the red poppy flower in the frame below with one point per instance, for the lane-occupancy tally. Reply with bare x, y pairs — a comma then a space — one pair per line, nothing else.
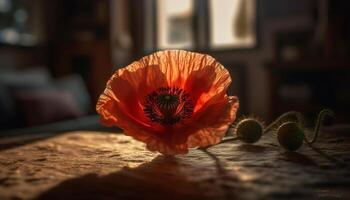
171, 100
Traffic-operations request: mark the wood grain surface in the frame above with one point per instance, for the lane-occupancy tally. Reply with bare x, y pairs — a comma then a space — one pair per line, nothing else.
99, 165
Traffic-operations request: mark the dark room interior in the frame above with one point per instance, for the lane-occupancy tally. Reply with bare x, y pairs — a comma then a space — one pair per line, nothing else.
282, 55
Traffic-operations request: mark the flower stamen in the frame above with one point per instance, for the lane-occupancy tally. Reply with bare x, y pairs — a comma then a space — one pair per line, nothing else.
168, 106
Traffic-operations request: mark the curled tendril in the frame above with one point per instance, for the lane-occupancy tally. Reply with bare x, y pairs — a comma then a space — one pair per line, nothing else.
289, 116
297, 115
319, 121
318, 124
299, 118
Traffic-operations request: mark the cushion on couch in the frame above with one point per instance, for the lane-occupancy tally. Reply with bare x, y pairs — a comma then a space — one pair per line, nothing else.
46, 105
32, 97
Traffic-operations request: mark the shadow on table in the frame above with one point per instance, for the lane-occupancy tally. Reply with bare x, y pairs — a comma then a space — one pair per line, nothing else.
293, 157
162, 178
298, 158
252, 148
15, 140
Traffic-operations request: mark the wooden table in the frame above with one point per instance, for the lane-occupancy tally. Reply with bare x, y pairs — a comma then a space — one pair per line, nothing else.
98, 165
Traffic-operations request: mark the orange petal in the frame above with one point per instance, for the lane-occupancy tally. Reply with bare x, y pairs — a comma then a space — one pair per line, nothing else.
207, 128
128, 87
216, 117
178, 65
199, 74
202, 76
207, 82
156, 141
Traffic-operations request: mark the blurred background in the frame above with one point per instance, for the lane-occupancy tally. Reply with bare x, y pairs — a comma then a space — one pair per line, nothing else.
56, 56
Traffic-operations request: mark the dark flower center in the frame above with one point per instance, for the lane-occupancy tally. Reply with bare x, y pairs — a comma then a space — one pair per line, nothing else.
168, 105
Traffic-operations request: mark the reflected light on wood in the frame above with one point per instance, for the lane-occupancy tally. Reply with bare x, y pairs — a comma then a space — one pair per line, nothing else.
96, 165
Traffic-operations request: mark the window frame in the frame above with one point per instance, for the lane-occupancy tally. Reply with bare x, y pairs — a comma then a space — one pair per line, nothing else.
201, 29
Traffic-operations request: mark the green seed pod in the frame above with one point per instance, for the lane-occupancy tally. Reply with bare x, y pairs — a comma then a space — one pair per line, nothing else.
290, 136
249, 130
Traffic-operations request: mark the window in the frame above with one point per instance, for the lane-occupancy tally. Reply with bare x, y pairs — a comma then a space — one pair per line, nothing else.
175, 22
232, 24
18, 22
203, 24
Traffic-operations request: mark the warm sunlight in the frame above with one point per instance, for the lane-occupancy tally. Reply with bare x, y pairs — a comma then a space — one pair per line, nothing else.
233, 23
175, 23
174, 99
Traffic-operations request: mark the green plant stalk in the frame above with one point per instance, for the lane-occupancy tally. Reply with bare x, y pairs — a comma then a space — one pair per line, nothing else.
319, 121
296, 114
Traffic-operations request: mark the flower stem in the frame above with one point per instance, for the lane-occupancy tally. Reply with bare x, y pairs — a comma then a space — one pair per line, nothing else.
224, 140
297, 115
319, 121
229, 139
323, 113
